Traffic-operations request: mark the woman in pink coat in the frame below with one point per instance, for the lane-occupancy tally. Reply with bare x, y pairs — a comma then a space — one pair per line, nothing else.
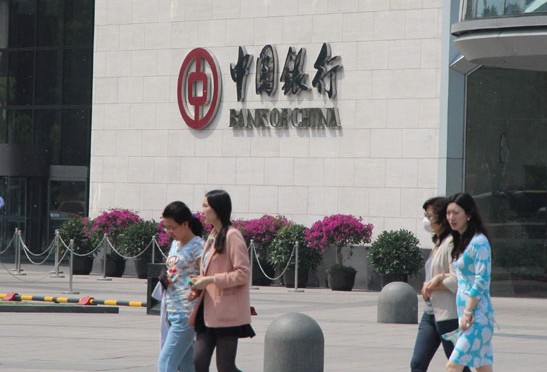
222, 315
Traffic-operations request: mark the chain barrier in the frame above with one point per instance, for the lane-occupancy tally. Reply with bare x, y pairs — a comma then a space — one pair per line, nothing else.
57, 244
128, 257
156, 245
252, 245
104, 243
10, 243
18, 277
27, 251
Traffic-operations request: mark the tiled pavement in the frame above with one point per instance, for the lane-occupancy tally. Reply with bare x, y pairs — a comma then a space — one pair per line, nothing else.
354, 341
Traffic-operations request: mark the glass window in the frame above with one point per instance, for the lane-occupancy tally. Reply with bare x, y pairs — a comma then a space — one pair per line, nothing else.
47, 132
20, 127
76, 137
48, 71
4, 23
77, 73
3, 126
67, 200
50, 13
79, 21
22, 23
536, 6
506, 167
20, 80
3, 77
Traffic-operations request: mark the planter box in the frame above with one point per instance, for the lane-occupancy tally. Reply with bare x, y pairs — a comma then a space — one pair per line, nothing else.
367, 278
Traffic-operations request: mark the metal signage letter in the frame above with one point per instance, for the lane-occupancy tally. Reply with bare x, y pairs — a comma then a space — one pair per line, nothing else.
199, 88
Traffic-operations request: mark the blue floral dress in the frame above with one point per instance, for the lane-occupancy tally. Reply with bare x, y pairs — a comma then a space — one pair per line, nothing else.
474, 346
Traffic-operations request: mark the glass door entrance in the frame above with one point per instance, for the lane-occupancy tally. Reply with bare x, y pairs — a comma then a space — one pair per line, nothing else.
67, 200
13, 214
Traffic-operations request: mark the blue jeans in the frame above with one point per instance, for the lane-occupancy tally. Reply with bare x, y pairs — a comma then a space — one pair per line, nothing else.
177, 353
428, 341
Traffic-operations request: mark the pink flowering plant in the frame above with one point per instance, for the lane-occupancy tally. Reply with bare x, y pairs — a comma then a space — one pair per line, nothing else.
262, 230
113, 222
339, 230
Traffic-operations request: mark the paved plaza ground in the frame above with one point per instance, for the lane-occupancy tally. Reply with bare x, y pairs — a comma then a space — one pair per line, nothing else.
128, 341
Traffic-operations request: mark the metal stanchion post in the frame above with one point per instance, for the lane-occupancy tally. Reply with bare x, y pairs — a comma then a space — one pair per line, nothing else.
153, 248
15, 250
56, 273
71, 263
105, 248
19, 246
296, 271
252, 255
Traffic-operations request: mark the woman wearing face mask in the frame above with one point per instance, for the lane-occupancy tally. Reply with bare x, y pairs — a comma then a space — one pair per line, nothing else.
438, 291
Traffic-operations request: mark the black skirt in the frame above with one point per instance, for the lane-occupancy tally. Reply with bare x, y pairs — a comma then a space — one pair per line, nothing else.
241, 331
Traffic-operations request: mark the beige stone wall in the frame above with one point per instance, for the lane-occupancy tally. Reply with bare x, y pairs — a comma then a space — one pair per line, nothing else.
381, 165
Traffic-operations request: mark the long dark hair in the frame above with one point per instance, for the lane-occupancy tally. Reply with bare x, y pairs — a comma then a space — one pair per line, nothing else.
474, 223
180, 213
438, 205
221, 203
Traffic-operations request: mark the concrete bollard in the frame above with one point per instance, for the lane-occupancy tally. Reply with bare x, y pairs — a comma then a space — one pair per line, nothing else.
398, 303
294, 342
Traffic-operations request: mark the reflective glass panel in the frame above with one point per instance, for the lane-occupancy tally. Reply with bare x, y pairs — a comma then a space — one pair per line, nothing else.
47, 132
506, 170
77, 73
48, 82
79, 21
3, 126
20, 82
20, 127
75, 137
4, 23
3, 77
22, 23
67, 200
50, 16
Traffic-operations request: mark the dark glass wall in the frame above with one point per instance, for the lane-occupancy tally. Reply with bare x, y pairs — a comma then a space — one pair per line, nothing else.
46, 61
506, 171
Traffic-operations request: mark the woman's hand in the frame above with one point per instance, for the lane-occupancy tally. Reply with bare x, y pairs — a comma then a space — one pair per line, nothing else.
466, 320
200, 282
434, 283
425, 294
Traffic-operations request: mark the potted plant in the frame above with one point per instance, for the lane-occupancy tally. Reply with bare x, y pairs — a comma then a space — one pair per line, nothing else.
395, 255
339, 231
112, 223
261, 231
79, 229
137, 242
282, 254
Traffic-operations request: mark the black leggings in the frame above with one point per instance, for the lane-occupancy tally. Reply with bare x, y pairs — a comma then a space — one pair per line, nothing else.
226, 347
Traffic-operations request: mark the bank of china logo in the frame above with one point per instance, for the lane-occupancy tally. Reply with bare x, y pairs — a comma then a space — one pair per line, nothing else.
199, 88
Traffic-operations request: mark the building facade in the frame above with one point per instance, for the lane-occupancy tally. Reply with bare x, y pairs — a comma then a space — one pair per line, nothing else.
303, 108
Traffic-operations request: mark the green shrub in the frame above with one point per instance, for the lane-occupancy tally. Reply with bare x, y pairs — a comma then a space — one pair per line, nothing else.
396, 252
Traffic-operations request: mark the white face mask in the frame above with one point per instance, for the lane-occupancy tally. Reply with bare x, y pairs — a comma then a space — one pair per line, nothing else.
427, 225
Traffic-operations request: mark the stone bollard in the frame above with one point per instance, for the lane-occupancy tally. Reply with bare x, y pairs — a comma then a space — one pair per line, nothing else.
294, 342
398, 303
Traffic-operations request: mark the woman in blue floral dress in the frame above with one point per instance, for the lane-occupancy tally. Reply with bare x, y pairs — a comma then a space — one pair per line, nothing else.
472, 262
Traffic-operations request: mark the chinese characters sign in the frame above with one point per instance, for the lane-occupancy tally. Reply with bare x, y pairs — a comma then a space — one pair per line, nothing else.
199, 90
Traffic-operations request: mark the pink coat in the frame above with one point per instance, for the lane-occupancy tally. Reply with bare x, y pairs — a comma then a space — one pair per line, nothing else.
227, 299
